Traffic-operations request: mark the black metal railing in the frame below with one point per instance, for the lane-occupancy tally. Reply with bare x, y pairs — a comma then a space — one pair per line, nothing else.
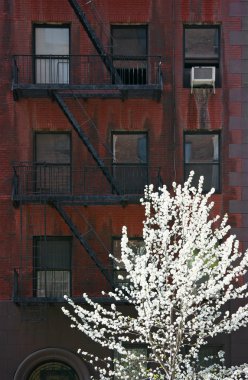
32, 179
30, 284
71, 70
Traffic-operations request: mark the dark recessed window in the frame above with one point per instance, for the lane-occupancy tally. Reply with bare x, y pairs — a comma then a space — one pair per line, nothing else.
210, 352
129, 48
52, 266
201, 49
52, 371
130, 161
137, 245
51, 52
202, 155
52, 162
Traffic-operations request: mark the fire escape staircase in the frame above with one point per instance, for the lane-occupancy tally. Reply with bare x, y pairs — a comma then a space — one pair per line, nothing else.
59, 98
62, 212
85, 140
94, 39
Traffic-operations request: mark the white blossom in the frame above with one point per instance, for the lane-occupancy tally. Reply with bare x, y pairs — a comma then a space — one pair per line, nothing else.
178, 290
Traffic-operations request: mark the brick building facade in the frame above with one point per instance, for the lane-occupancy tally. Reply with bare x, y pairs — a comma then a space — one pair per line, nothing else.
96, 101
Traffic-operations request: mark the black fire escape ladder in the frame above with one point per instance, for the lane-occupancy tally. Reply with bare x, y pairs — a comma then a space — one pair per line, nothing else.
85, 140
83, 242
95, 40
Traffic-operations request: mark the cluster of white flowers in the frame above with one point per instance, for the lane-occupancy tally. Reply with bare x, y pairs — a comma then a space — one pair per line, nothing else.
179, 292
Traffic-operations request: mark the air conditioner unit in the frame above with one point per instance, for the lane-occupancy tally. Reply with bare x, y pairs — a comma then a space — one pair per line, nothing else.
202, 76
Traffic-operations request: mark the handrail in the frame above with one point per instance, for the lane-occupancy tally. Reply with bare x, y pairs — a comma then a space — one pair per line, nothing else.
30, 69
33, 178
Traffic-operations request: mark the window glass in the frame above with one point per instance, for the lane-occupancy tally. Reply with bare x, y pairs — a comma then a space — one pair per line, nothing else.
201, 148
52, 266
201, 154
53, 371
129, 40
53, 148
201, 43
130, 148
50, 40
51, 55
130, 169
210, 352
129, 48
52, 163
201, 48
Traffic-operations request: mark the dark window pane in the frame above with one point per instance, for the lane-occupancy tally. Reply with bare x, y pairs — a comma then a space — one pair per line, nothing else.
130, 148
53, 253
53, 158
53, 371
201, 148
53, 148
130, 162
131, 179
52, 266
201, 43
201, 48
129, 40
210, 352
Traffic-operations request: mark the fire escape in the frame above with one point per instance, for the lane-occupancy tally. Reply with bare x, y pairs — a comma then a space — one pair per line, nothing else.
81, 77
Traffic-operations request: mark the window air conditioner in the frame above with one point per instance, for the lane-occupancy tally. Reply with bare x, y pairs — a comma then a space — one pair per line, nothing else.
202, 76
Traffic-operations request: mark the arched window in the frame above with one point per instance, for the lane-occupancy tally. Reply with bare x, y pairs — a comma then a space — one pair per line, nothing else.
53, 371
52, 364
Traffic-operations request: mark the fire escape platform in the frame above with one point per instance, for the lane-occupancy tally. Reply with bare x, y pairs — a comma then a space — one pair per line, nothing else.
83, 200
21, 300
87, 76
41, 182
151, 91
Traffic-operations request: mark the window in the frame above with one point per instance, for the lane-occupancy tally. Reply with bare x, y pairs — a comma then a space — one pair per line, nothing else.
210, 352
52, 266
53, 371
129, 47
134, 364
201, 48
137, 245
52, 162
202, 155
51, 49
130, 161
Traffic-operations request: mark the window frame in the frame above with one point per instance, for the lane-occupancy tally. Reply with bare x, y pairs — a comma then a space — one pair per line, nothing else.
130, 133
132, 78
128, 26
43, 370
36, 163
218, 164
124, 172
187, 65
214, 347
36, 269
36, 25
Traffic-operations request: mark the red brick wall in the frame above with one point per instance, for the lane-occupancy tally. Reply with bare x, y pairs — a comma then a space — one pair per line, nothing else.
165, 121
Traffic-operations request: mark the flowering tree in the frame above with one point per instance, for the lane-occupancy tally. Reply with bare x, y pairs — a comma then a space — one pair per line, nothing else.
178, 288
